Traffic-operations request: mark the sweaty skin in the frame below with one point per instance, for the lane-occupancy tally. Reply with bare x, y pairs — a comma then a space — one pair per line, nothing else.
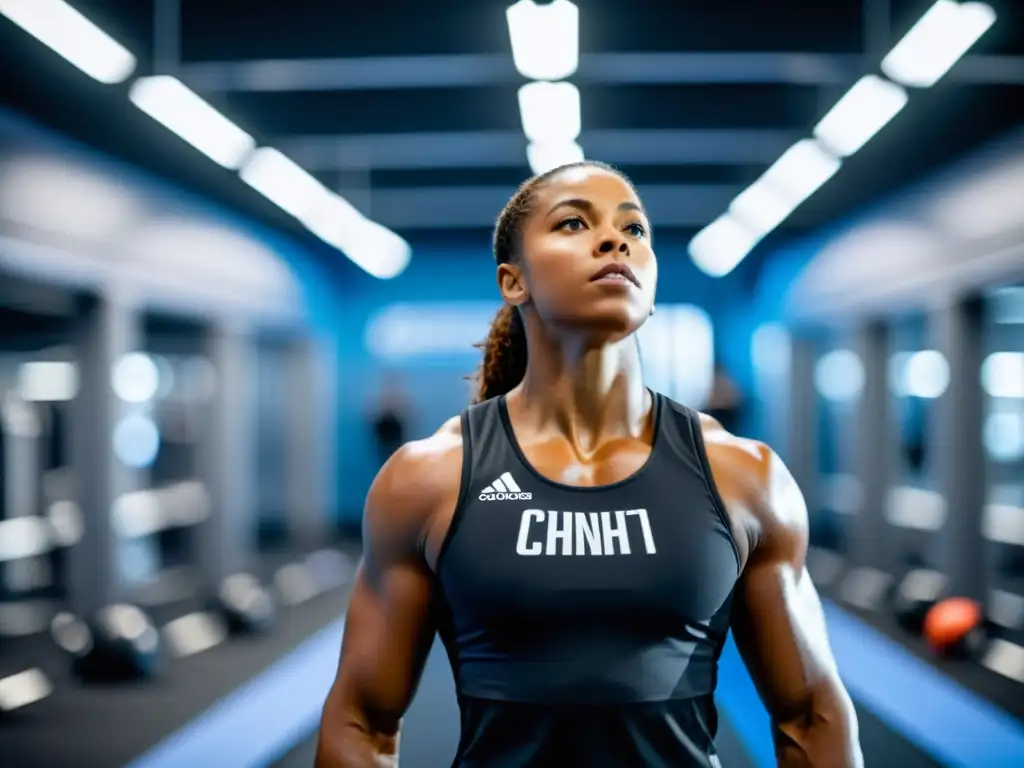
777, 619
582, 417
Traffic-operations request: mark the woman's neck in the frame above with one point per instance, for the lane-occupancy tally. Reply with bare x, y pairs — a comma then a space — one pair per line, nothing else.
589, 394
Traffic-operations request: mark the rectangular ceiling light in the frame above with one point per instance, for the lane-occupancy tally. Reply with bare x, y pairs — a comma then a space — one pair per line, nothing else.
72, 36
939, 39
761, 207
369, 245
722, 245
48, 381
796, 175
801, 171
377, 250
544, 38
550, 112
281, 181
181, 111
330, 217
547, 157
861, 113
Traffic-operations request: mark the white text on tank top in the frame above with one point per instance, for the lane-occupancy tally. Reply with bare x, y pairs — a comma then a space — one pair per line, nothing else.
555, 533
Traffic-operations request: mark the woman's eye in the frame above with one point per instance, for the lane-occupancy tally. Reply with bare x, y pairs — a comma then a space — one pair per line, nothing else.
573, 224
636, 230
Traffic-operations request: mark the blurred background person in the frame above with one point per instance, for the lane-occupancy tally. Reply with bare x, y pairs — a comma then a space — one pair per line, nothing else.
725, 401
389, 418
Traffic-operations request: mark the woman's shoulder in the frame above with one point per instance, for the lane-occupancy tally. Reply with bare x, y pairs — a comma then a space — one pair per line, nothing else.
419, 477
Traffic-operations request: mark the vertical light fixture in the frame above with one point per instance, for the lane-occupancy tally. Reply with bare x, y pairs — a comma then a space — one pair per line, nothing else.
545, 49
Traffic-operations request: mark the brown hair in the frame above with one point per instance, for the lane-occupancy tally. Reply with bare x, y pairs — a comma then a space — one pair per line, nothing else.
504, 350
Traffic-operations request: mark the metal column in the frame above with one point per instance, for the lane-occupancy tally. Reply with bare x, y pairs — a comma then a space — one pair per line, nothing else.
871, 451
802, 434
955, 445
106, 329
771, 352
21, 457
225, 455
20, 471
310, 428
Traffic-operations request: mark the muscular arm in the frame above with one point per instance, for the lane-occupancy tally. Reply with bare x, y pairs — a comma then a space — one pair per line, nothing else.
779, 625
388, 627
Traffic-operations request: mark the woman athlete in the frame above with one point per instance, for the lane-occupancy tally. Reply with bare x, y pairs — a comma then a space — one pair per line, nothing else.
582, 544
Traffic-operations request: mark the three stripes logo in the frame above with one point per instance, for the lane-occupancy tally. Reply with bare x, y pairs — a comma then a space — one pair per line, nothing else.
504, 489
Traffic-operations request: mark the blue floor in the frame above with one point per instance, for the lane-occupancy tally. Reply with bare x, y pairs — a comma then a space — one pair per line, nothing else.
260, 723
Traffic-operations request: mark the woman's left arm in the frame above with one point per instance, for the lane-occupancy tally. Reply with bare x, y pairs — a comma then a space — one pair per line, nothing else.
779, 626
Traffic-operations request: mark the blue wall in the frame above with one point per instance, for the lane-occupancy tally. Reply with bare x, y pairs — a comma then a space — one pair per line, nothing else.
464, 271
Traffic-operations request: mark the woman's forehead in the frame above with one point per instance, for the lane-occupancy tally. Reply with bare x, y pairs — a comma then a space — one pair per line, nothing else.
595, 184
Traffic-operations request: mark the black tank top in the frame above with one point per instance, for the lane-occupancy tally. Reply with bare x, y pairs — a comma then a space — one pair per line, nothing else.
584, 625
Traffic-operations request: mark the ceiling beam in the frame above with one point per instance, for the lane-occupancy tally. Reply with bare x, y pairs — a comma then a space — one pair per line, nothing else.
669, 205
507, 149
623, 68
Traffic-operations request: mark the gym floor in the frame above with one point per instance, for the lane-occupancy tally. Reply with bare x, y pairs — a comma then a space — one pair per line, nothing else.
255, 702
107, 727
430, 732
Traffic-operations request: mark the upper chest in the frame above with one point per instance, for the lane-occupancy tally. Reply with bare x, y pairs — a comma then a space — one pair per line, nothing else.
643, 535
637, 550
541, 469
627, 493
611, 462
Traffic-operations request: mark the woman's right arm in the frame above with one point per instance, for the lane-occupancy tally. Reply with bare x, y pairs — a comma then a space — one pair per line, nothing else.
389, 625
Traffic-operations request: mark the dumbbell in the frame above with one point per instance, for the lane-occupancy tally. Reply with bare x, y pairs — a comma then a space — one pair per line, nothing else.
119, 643
245, 605
917, 592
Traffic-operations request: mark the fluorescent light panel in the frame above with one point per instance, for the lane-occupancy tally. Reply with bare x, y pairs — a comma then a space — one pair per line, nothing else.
801, 171
761, 207
550, 112
861, 113
47, 381
722, 245
755, 212
938, 41
281, 181
547, 157
72, 36
330, 217
544, 38
941, 37
168, 101
378, 250
371, 246
182, 112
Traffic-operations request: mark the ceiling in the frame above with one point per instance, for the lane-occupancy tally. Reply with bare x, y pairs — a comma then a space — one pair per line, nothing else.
410, 110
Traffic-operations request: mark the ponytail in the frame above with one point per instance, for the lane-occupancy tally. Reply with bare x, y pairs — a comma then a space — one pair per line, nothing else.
504, 363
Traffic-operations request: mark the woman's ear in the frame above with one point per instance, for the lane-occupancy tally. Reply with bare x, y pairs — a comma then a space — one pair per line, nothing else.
512, 284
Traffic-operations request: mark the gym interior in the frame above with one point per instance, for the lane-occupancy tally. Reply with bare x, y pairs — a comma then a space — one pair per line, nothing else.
201, 370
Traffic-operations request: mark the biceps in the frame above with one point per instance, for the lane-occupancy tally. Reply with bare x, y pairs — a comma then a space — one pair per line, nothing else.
388, 633
780, 631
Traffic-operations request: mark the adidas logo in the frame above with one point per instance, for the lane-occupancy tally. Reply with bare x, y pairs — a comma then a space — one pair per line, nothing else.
504, 489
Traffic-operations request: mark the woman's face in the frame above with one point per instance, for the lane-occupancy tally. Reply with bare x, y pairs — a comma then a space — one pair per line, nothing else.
586, 257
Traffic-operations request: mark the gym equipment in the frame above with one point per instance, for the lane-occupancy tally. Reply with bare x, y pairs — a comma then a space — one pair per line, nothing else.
954, 628
245, 605
320, 571
866, 588
330, 568
120, 643
22, 688
918, 591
